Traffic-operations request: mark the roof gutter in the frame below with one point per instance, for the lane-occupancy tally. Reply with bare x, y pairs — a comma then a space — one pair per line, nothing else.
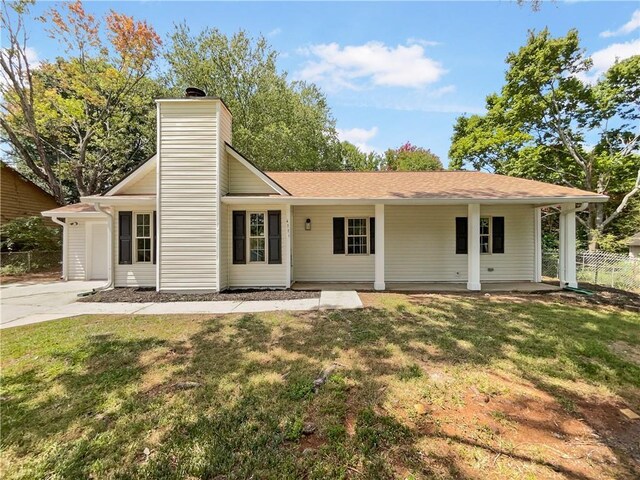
544, 201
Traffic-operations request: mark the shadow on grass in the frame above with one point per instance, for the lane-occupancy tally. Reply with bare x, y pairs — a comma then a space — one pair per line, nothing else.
254, 395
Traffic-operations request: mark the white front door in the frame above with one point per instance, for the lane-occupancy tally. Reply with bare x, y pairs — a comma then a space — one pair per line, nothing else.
97, 251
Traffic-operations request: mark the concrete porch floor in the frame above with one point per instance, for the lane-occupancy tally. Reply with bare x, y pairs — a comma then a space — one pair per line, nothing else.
488, 287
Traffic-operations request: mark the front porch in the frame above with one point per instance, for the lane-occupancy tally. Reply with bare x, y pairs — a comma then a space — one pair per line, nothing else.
430, 287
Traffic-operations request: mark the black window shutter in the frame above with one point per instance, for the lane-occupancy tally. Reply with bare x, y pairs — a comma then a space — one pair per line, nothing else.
461, 235
275, 237
338, 235
154, 240
239, 236
124, 238
372, 235
497, 231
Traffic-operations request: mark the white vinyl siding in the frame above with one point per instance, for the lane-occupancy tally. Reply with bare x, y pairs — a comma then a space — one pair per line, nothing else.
76, 248
225, 242
420, 244
516, 263
145, 186
188, 196
225, 135
137, 274
225, 158
313, 258
244, 181
264, 274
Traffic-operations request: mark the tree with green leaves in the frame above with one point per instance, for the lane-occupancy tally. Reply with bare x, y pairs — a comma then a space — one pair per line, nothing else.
411, 158
278, 124
551, 122
78, 123
355, 160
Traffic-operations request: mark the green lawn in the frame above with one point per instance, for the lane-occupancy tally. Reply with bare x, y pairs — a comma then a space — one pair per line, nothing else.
423, 386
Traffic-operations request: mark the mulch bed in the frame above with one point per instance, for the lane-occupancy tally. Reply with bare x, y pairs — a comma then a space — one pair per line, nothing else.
148, 295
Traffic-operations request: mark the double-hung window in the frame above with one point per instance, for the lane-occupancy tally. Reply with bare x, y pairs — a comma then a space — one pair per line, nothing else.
143, 237
356, 236
257, 239
485, 235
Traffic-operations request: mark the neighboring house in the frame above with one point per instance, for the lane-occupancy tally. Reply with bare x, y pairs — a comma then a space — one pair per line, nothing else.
20, 197
198, 216
634, 246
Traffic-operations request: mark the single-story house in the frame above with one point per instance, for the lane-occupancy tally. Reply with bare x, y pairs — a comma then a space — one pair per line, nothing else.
20, 197
199, 216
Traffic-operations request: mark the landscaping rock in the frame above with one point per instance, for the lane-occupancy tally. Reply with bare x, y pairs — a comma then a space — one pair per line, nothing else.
308, 428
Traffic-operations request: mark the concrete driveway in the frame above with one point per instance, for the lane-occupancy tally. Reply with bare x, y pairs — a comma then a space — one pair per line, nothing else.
36, 301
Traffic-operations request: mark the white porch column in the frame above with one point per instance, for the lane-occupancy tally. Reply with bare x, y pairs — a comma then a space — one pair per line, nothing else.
568, 245
473, 246
379, 260
288, 243
537, 244
562, 243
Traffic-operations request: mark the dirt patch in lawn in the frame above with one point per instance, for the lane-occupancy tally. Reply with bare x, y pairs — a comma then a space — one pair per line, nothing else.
602, 296
31, 277
527, 430
145, 295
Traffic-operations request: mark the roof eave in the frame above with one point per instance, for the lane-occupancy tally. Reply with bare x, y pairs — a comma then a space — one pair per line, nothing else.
293, 200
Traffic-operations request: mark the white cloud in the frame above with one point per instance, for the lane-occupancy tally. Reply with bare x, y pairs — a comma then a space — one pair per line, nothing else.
423, 42
371, 64
605, 58
32, 58
359, 137
625, 29
274, 32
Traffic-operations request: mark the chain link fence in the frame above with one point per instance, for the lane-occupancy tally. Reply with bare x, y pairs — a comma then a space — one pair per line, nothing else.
18, 263
599, 268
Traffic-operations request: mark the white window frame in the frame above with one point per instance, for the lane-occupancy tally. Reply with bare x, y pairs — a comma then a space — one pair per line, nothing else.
135, 237
264, 236
367, 226
489, 236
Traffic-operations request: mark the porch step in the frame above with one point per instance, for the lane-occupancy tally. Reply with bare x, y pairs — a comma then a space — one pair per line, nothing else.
330, 299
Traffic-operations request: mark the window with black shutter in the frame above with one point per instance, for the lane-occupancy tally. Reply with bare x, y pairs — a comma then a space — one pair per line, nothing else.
338, 235
239, 236
461, 235
372, 235
275, 237
497, 232
124, 238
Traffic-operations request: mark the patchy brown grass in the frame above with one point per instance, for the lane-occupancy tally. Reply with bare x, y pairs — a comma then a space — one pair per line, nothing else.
424, 386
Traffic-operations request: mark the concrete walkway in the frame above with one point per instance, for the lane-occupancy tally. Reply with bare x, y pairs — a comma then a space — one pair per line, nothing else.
52, 301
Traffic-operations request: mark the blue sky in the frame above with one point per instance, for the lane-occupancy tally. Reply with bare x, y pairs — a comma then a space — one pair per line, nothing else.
394, 72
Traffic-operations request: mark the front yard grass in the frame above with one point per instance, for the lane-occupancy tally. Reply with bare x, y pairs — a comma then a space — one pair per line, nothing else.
418, 386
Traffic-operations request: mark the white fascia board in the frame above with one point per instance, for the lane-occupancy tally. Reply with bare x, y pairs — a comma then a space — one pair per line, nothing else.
121, 200
246, 200
142, 170
50, 214
257, 172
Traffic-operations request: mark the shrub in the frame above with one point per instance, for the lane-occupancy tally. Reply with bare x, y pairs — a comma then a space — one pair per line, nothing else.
29, 233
